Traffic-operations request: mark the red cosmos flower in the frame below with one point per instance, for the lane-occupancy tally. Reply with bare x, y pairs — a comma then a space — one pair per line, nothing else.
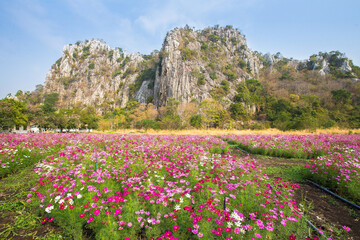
71, 206
176, 227
81, 215
189, 229
44, 221
292, 237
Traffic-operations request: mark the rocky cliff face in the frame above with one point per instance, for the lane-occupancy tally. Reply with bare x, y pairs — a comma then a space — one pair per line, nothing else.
195, 64
90, 73
191, 66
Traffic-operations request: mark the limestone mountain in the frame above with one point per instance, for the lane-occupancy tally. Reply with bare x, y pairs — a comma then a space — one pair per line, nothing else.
192, 65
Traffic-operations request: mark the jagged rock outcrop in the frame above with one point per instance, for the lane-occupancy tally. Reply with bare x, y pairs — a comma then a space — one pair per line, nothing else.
91, 73
191, 66
195, 64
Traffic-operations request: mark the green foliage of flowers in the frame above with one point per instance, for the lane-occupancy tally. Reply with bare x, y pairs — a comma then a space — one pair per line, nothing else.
334, 158
182, 187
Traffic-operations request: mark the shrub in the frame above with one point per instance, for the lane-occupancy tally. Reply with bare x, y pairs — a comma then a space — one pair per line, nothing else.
204, 46
110, 55
225, 85
91, 66
200, 77
242, 64
187, 54
213, 38
234, 40
213, 75
196, 120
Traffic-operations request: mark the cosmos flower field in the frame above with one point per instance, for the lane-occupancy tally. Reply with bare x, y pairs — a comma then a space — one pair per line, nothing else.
168, 187
334, 159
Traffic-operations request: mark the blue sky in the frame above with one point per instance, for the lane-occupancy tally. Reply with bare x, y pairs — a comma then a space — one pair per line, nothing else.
33, 32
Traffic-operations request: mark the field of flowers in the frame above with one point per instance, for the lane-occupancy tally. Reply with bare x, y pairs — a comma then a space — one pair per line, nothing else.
152, 187
335, 159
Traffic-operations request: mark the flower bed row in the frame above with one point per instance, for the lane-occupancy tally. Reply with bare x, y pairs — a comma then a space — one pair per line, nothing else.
158, 187
295, 146
335, 159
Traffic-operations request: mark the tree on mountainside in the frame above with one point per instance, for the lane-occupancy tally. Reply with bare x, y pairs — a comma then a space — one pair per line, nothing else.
213, 115
50, 100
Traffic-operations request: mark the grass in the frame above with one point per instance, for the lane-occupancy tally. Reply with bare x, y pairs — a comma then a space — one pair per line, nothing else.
19, 218
292, 174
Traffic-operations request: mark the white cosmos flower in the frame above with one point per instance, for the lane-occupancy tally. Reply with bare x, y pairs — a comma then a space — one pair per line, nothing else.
57, 198
79, 196
177, 207
48, 209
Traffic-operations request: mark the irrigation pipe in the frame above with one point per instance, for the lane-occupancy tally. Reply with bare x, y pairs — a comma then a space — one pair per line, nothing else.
307, 221
242, 150
335, 195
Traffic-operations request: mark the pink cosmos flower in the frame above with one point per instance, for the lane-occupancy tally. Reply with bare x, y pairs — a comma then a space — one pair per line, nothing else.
90, 219
176, 227
258, 235
346, 228
96, 211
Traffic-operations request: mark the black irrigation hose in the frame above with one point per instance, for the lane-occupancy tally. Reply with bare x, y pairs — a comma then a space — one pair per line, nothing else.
242, 150
335, 195
307, 221
315, 228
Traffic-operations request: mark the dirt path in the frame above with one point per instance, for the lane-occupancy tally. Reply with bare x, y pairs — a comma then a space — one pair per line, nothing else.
326, 211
